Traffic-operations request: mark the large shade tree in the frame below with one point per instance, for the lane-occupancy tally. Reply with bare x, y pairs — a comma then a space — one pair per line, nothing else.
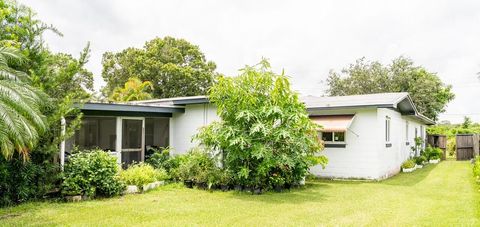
428, 92
21, 121
175, 67
265, 135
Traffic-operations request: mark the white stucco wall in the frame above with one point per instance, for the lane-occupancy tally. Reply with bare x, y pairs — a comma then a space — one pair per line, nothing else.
359, 158
391, 158
183, 126
364, 157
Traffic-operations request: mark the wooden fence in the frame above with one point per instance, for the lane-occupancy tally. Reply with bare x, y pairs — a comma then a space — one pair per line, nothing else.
468, 146
439, 141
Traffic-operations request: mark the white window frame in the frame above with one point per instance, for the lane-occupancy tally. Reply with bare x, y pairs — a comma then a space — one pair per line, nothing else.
333, 138
387, 129
406, 131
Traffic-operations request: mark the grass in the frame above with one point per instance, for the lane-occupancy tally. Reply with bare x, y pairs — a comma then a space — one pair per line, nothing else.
437, 195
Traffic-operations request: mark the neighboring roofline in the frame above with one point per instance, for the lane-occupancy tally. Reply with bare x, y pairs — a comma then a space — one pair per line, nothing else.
350, 107
200, 99
118, 107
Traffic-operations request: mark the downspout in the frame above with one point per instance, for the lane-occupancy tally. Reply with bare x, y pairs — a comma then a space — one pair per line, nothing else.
62, 144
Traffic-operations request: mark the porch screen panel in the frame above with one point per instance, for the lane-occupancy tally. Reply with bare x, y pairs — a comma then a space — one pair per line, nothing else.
96, 132
156, 132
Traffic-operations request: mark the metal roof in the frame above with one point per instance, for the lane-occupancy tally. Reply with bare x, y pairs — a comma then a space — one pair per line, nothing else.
400, 101
379, 100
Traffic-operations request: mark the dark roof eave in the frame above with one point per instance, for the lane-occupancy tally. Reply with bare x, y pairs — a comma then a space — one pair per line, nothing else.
115, 107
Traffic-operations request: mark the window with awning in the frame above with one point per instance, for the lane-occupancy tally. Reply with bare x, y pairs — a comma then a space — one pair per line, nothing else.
333, 128
333, 123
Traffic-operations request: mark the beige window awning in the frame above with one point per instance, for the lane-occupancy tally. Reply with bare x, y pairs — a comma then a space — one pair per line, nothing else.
334, 123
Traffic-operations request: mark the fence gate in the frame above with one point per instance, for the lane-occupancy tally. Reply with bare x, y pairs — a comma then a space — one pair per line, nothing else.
467, 146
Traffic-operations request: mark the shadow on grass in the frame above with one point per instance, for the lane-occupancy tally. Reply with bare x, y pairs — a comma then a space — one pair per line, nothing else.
410, 179
311, 192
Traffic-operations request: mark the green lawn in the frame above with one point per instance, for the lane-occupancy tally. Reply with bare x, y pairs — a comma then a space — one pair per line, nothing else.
438, 195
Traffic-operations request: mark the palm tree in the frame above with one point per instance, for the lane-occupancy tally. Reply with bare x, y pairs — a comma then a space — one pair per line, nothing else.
21, 121
133, 90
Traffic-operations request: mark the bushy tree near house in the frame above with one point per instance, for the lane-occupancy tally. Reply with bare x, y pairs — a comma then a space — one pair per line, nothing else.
62, 77
175, 67
265, 135
428, 92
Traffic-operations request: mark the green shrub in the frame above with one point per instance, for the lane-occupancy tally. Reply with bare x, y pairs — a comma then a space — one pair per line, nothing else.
196, 165
92, 173
22, 181
159, 158
142, 174
420, 160
476, 168
264, 128
432, 153
408, 164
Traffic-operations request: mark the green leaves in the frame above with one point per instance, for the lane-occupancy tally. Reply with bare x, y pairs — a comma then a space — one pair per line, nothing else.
264, 130
173, 66
92, 173
428, 92
21, 121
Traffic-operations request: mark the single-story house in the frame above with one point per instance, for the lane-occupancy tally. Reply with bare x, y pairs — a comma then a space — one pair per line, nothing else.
365, 136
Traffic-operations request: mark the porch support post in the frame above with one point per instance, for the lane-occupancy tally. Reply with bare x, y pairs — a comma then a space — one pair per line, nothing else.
62, 144
118, 141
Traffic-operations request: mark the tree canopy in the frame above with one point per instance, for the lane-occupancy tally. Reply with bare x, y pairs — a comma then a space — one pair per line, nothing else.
265, 134
428, 92
133, 90
174, 67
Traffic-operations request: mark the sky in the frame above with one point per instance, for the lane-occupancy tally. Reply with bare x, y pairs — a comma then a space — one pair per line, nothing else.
307, 39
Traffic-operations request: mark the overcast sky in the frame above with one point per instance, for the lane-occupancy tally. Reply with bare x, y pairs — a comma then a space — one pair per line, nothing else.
305, 38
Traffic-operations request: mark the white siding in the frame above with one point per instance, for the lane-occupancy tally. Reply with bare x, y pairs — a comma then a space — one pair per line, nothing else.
183, 126
365, 156
359, 158
391, 158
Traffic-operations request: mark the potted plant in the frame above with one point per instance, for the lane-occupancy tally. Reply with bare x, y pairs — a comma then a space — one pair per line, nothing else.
201, 179
408, 166
224, 180
184, 172
419, 161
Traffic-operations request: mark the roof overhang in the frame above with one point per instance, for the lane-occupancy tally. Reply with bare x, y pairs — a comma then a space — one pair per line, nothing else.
116, 109
181, 101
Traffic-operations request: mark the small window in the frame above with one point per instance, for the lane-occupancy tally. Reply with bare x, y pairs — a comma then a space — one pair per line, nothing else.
387, 129
406, 131
327, 136
333, 136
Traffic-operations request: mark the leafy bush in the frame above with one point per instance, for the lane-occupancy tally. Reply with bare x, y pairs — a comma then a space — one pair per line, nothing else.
420, 160
408, 164
196, 165
142, 174
92, 173
264, 129
476, 168
432, 153
158, 158
22, 181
